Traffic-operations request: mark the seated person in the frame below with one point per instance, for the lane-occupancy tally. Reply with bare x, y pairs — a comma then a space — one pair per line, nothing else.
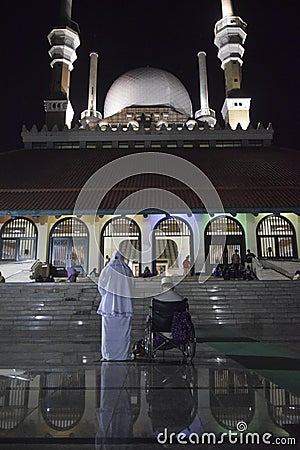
168, 291
217, 271
226, 272
168, 295
296, 277
94, 273
147, 273
72, 274
247, 273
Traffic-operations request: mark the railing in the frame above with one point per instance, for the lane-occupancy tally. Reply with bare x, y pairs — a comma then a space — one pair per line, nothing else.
267, 264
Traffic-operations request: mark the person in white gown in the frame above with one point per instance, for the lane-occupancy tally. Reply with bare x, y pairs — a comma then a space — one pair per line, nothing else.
115, 285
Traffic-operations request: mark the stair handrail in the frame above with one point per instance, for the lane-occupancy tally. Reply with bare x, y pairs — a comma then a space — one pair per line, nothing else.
267, 264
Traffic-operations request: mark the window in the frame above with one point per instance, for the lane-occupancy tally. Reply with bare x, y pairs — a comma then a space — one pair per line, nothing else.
156, 144
18, 240
172, 144
139, 144
276, 238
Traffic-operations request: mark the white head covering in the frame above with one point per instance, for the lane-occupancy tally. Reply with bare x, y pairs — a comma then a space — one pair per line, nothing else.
116, 277
167, 281
168, 294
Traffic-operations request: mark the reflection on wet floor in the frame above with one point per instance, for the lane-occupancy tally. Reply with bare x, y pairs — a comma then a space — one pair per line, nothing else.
141, 405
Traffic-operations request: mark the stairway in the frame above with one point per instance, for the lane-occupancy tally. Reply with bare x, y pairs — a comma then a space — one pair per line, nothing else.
268, 310
59, 318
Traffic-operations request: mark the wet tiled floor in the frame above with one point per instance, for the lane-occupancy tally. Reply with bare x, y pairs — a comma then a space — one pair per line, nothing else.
142, 405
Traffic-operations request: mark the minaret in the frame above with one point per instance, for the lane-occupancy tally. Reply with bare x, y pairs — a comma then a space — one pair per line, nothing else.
230, 36
205, 114
91, 116
64, 40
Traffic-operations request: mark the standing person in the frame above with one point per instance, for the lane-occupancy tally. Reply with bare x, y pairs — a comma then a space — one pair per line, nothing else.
107, 259
187, 266
249, 258
116, 283
236, 261
2, 279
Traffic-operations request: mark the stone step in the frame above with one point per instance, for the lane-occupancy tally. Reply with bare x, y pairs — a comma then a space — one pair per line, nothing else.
63, 311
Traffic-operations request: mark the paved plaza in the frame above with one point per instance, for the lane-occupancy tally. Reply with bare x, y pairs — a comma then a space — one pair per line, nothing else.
56, 394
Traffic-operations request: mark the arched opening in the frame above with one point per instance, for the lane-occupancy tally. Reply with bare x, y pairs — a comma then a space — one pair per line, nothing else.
172, 242
123, 234
69, 243
18, 240
232, 397
276, 238
62, 408
223, 235
283, 406
14, 394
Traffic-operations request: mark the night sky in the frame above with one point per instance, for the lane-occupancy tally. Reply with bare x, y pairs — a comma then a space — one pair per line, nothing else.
163, 34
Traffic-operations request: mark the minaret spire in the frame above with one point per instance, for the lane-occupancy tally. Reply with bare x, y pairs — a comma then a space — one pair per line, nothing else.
64, 41
66, 12
230, 36
205, 114
227, 9
91, 115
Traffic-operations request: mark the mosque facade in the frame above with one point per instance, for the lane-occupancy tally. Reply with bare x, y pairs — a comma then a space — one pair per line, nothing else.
149, 175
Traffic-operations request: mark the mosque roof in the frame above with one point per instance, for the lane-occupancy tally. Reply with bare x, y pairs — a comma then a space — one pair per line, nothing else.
262, 179
147, 86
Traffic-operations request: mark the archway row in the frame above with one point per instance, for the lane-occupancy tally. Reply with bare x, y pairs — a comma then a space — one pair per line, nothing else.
172, 239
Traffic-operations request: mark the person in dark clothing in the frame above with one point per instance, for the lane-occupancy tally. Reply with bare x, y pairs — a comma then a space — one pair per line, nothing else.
236, 261
226, 272
147, 273
249, 258
247, 274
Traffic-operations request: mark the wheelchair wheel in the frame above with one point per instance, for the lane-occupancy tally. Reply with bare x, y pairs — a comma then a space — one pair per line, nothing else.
149, 341
189, 349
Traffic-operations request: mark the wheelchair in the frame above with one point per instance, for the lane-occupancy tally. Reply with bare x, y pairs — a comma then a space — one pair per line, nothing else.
169, 326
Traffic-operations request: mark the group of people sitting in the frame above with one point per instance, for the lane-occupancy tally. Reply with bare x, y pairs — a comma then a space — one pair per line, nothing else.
237, 269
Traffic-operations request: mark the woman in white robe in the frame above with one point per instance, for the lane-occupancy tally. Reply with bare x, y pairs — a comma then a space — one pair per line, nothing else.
116, 283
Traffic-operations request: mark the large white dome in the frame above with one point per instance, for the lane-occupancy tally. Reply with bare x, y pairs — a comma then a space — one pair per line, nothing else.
147, 86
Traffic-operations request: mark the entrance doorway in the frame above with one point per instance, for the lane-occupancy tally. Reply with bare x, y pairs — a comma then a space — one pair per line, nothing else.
223, 235
69, 243
172, 243
123, 234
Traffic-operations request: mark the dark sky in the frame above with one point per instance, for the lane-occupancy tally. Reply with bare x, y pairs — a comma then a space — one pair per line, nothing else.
164, 34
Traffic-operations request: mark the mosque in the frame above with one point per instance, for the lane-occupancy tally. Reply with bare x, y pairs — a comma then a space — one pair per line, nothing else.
148, 174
